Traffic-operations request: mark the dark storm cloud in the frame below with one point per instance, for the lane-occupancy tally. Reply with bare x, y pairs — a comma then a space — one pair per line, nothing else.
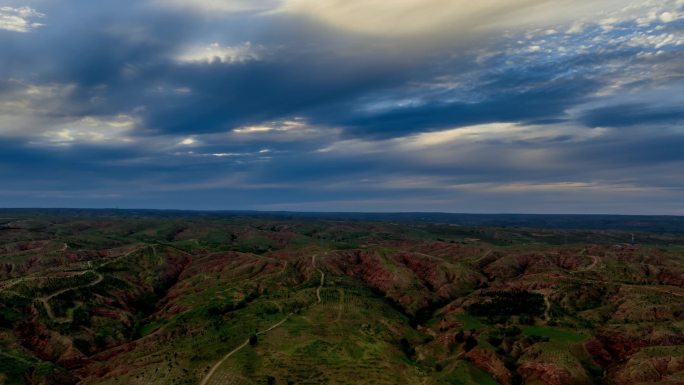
228, 96
546, 104
124, 63
632, 115
122, 57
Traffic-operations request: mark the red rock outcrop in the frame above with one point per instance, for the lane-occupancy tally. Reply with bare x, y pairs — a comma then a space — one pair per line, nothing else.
547, 373
490, 363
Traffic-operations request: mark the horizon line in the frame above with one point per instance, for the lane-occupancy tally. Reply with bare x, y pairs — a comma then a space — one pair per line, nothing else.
256, 211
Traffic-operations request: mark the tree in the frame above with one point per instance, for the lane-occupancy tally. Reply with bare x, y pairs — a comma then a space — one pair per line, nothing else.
526, 319
494, 340
470, 343
516, 379
253, 339
406, 347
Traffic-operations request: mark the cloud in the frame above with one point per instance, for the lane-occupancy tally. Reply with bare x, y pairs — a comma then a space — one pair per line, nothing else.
407, 17
521, 147
212, 7
501, 132
415, 17
20, 19
25, 98
93, 130
529, 105
187, 142
42, 114
282, 126
214, 52
634, 114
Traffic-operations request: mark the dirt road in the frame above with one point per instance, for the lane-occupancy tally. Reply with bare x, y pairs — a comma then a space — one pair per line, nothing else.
214, 368
318, 290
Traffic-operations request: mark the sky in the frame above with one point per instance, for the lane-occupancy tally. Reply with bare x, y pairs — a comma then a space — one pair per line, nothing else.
488, 106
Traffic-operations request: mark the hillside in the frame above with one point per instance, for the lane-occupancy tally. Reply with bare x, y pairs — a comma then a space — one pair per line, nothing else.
144, 298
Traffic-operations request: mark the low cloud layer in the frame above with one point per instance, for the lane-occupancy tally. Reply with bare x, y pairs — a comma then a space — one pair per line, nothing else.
495, 106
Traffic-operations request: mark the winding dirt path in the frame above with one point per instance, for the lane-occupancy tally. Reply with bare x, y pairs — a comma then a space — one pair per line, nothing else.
318, 289
341, 307
656, 288
24, 360
547, 308
594, 261
14, 282
46, 300
659, 289
214, 368
206, 378
485, 255
7, 284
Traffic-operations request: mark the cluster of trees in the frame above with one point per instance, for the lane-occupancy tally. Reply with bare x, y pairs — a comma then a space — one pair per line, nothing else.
469, 341
509, 303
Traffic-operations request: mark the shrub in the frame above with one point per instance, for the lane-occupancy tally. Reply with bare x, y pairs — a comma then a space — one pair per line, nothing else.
495, 341
470, 343
406, 347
